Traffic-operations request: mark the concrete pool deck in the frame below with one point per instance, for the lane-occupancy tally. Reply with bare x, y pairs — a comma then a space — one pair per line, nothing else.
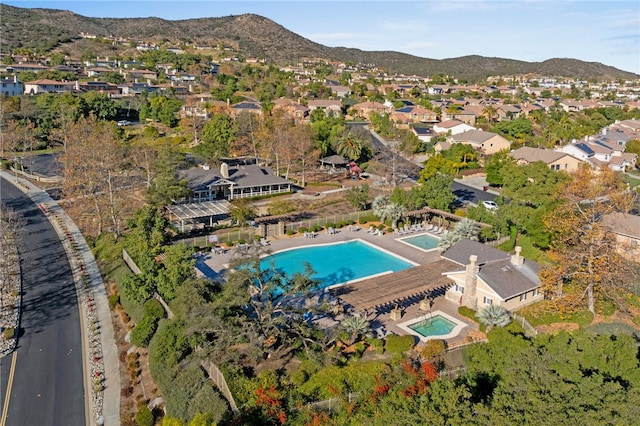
215, 264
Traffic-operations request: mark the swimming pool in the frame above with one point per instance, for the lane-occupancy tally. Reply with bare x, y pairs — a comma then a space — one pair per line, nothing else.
337, 263
423, 242
436, 325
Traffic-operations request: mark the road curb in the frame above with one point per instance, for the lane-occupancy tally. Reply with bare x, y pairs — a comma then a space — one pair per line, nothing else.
100, 354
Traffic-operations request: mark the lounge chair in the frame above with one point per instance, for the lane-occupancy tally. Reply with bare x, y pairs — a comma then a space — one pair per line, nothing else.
264, 242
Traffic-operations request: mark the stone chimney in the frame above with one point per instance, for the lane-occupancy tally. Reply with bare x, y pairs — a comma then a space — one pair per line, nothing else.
517, 259
469, 298
224, 170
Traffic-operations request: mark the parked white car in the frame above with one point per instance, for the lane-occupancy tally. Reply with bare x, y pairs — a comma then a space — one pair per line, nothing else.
490, 205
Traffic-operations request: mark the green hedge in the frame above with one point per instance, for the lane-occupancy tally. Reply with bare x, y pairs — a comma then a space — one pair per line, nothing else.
153, 308
143, 331
398, 345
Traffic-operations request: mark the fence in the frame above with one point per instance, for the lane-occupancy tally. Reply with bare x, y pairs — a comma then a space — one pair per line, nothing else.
130, 263
333, 403
529, 330
216, 375
344, 218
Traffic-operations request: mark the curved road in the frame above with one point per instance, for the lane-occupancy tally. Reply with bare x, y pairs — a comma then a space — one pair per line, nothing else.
47, 386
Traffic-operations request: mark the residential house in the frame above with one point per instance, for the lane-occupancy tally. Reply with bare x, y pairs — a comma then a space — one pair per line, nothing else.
626, 229
339, 90
365, 109
556, 160
44, 85
423, 133
134, 74
11, 87
292, 109
109, 89
413, 114
488, 276
486, 142
508, 112
327, 105
98, 71
453, 126
236, 178
246, 106
467, 115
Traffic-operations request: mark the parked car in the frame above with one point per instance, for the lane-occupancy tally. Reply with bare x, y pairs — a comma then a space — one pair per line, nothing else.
490, 205
124, 123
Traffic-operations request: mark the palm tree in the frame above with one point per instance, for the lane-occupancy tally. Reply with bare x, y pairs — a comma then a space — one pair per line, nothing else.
467, 229
494, 316
386, 210
490, 112
349, 146
357, 327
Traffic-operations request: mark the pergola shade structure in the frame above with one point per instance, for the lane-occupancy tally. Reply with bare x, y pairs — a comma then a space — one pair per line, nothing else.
191, 211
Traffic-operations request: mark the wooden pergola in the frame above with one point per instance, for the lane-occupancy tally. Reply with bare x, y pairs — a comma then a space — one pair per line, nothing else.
400, 288
426, 211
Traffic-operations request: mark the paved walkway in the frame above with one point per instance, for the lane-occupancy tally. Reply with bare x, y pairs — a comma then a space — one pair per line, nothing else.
100, 350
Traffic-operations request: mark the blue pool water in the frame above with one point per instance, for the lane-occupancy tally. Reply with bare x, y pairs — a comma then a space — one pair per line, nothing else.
423, 241
336, 263
435, 326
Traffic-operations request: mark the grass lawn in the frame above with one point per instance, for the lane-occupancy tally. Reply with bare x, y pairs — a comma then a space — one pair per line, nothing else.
543, 313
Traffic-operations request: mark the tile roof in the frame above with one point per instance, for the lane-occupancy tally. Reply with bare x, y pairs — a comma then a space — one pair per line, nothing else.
474, 136
531, 155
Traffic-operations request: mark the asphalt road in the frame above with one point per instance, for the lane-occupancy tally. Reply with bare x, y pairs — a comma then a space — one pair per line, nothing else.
47, 386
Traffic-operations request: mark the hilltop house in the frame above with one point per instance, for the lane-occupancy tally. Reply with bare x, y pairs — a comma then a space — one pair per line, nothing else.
44, 85
365, 109
488, 276
486, 142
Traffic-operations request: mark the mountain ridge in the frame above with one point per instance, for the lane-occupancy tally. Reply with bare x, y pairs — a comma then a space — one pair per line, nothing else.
256, 36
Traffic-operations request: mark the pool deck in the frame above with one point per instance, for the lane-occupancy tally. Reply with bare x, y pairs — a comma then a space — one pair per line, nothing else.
377, 310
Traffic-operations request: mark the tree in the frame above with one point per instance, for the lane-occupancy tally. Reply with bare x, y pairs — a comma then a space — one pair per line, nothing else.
494, 316
464, 229
490, 113
435, 192
94, 161
357, 327
358, 196
494, 165
217, 137
266, 302
241, 211
586, 260
386, 210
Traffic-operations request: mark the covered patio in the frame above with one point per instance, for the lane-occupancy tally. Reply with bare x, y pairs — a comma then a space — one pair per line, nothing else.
184, 213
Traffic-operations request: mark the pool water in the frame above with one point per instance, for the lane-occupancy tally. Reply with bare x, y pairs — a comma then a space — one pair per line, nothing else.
422, 241
338, 263
434, 326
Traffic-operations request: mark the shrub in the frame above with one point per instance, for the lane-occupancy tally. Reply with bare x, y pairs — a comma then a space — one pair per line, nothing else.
153, 308
143, 332
114, 299
467, 313
398, 345
144, 417
303, 229
330, 225
289, 232
376, 344
8, 333
433, 348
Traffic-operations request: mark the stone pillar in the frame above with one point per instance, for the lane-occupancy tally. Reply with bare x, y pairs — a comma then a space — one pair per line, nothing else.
469, 297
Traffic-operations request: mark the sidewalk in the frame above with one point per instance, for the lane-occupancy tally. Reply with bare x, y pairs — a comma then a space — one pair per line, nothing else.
101, 366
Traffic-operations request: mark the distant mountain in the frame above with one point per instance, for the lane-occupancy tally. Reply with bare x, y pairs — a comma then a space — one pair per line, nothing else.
256, 36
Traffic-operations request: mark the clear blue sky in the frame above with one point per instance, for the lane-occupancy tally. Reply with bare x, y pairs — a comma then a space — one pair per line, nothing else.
529, 30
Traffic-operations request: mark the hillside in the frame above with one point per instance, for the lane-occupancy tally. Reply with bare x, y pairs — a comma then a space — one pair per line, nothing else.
256, 36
